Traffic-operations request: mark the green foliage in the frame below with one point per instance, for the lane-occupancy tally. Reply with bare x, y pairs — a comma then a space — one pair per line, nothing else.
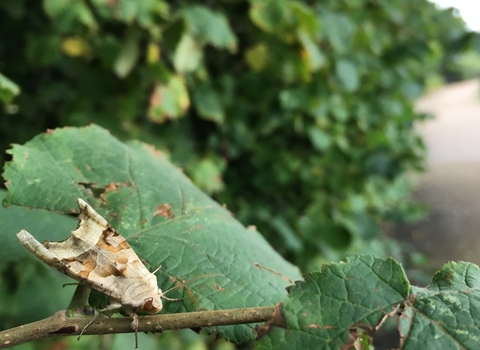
165, 218
8, 89
465, 64
345, 301
190, 235
303, 110
298, 115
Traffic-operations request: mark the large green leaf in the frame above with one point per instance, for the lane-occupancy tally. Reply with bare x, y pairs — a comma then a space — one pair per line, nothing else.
446, 314
166, 219
321, 312
337, 307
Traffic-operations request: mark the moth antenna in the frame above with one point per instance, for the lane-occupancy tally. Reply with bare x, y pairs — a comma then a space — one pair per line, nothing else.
170, 299
156, 270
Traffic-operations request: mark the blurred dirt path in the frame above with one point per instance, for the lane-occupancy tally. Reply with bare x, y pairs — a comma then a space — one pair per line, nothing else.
451, 185
454, 135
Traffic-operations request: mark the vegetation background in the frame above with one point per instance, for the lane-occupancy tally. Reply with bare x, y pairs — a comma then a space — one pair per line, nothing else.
298, 115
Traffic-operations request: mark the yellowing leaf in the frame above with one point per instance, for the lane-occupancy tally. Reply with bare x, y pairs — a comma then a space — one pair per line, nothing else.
76, 47
153, 53
257, 57
169, 101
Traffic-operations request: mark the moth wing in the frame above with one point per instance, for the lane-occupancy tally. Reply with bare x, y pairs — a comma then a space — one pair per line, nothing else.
95, 254
48, 257
108, 245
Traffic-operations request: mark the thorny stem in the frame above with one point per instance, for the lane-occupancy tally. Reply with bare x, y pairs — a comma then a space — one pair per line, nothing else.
61, 325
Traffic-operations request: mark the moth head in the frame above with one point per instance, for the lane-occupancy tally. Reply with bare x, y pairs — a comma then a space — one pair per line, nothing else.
151, 305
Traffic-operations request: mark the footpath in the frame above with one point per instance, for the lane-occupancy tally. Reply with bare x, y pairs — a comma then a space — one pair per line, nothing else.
451, 185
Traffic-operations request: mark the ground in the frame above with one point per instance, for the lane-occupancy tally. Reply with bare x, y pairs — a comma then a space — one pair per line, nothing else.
451, 185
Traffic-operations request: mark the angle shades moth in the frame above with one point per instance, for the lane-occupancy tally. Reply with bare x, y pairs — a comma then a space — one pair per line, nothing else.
99, 257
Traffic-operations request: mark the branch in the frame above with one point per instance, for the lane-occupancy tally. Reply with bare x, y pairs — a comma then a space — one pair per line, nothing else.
61, 325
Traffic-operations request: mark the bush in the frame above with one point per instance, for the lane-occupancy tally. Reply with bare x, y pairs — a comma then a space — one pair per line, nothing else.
228, 277
296, 114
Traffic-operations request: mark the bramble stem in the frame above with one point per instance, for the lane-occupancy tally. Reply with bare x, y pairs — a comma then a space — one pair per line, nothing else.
61, 325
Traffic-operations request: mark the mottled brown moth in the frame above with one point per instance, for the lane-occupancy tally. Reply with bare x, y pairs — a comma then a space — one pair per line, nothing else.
97, 256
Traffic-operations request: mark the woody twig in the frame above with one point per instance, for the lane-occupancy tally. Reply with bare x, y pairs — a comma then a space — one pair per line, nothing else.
61, 325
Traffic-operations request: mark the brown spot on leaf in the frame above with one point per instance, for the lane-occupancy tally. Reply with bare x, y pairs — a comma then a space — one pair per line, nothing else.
285, 278
172, 279
155, 97
165, 210
218, 288
114, 187
93, 189
156, 152
110, 187
319, 326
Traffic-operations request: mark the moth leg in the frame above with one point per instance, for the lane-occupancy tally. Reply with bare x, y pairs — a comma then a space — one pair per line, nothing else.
156, 270
134, 325
111, 307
